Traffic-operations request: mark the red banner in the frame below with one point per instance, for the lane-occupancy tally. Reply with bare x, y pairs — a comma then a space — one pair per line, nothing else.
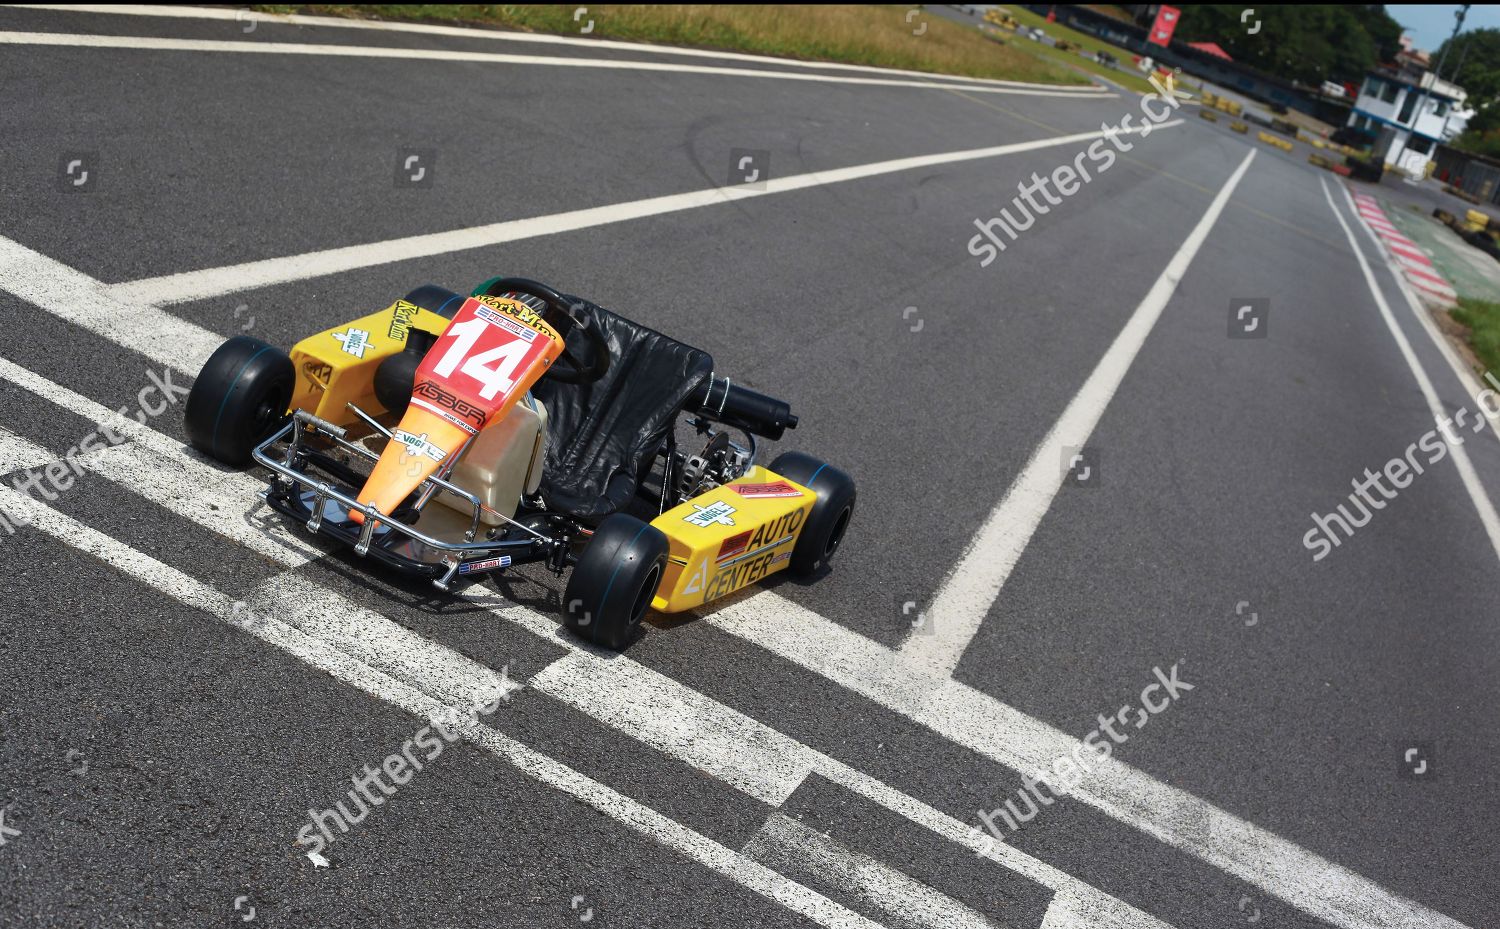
1166, 23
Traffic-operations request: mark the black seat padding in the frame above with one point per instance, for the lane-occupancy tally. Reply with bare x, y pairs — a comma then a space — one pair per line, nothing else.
603, 436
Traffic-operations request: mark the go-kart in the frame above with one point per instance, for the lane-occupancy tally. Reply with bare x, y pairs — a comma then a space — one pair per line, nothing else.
452, 437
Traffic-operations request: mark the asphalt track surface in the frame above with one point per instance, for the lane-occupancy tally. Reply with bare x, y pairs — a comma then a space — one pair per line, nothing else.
184, 680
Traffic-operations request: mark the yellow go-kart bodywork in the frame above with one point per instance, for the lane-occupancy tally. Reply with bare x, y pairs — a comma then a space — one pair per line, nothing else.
446, 396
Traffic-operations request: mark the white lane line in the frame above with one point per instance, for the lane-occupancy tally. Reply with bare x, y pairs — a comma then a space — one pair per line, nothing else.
785, 844
310, 650
680, 722
21, 454
1481, 500
160, 44
177, 484
220, 501
297, 19
85, 302
1471, 382
614, 689
769, 765
213, 282
974, 582
1003, 734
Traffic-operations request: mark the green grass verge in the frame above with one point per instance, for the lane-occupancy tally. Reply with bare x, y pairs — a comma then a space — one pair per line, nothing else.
866, 35
1483, 319
1125, 75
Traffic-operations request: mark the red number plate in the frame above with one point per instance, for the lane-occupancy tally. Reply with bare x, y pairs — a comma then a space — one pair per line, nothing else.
483, 360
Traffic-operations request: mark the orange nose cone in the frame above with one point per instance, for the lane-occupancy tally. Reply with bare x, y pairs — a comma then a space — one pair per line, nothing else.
423, 443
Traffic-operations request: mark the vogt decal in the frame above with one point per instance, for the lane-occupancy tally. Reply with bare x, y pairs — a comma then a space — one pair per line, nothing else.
716, 513
418, 445
355, 342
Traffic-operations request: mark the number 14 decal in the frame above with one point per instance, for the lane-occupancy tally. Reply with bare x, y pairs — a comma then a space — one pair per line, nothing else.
494, 369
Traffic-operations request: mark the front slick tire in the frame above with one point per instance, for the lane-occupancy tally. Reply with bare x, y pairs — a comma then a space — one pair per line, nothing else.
238, 399
614, 581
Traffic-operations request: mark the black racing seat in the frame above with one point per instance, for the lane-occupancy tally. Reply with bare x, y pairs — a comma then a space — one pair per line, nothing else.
603, 436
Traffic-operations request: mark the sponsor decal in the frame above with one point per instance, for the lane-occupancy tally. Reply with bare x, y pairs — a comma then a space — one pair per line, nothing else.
318, 372
735, 576
452, 408
698, 579
524, 333
777, 489
401, 319
418, 445
716, 513
502, 562
777, 528
512, 307
734, 545
356, 342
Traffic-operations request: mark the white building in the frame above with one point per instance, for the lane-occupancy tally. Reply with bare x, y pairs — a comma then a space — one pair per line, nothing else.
1387, 108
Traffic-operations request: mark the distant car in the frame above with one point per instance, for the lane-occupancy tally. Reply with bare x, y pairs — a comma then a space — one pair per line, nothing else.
1036, 35
1330, 89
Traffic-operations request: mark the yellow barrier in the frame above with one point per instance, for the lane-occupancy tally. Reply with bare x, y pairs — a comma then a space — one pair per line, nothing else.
1241, 128
1477, 218
1283, 144
1209, 115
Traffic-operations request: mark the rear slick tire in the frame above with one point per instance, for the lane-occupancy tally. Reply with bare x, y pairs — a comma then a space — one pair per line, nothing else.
825, 527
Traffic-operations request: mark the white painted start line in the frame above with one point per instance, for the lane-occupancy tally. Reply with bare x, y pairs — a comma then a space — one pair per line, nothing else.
1477, 494
213, 282
160, 44
311, 650
997, 731
242, 17
974, 582
950, 708
651, 708
787, 844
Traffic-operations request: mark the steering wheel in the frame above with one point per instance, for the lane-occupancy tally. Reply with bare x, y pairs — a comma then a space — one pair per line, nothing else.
566, 316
